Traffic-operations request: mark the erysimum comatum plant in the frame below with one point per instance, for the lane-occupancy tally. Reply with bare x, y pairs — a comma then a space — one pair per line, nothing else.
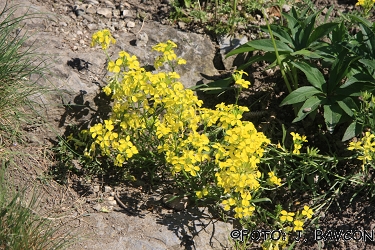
210, 153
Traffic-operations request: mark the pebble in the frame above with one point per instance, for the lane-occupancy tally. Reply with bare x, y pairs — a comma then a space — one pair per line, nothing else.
142, 39
130, 24
90, 10
95, 188
97, 207
63, 24
107, 189
126, 13
88, 18
92, 26
106, 12
93, 2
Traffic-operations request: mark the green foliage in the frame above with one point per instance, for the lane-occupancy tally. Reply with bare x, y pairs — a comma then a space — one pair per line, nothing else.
20, 226
17, 64
297, 43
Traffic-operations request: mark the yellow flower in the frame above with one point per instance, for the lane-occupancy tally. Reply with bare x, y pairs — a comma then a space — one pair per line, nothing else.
355, 145
183, 61
308, 212
107, 90
243, 83
273, 178
286, 216
298, 225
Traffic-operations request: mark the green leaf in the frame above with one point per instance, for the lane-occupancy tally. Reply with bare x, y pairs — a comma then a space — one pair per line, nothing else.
267, 45
292, 22
348, 104
368, 63
314, 76
354, 129
300, 95
321, 31
332, 116
241, 49
282, 33
339, 70
358, 78
305, 52
309, 106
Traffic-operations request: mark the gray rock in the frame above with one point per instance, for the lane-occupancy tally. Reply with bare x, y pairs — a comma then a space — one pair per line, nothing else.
130, 24
97, 207
228, 43
91, 10
181, 25
126, 13
88, 18
92, 26
106, 12
142, 39
93, 2
109, 4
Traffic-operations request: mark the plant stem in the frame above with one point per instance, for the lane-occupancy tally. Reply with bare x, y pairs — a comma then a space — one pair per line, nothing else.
277, 55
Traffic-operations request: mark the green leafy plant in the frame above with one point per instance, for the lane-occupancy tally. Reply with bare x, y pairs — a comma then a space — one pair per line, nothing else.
21, 226
17, 64
298, 42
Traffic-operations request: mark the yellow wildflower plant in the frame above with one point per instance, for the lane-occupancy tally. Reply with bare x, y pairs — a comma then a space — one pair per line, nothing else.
102, 38
298, 141
366, 149
286, 216
366, 5
154, 114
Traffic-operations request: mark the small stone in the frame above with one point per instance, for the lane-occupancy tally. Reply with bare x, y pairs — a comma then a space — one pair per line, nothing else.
142, 39
97, 207
93, 2
286, 8
90, 10
79, 32
130, 24
110, 198
109, 4
116, 13
106, 12
126, 13
111, 203
107, 189
95, 188
181, 25
92, 26
64, 24
88, 18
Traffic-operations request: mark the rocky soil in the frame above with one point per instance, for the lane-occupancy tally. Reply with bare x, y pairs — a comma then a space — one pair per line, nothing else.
104, 215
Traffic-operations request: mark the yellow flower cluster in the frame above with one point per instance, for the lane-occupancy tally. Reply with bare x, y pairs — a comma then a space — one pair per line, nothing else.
366, 147
153, 111
298, 141
102, 38
366, 5
290, 221
297, 219
237, 76
365, 2
274, 179
168, 54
